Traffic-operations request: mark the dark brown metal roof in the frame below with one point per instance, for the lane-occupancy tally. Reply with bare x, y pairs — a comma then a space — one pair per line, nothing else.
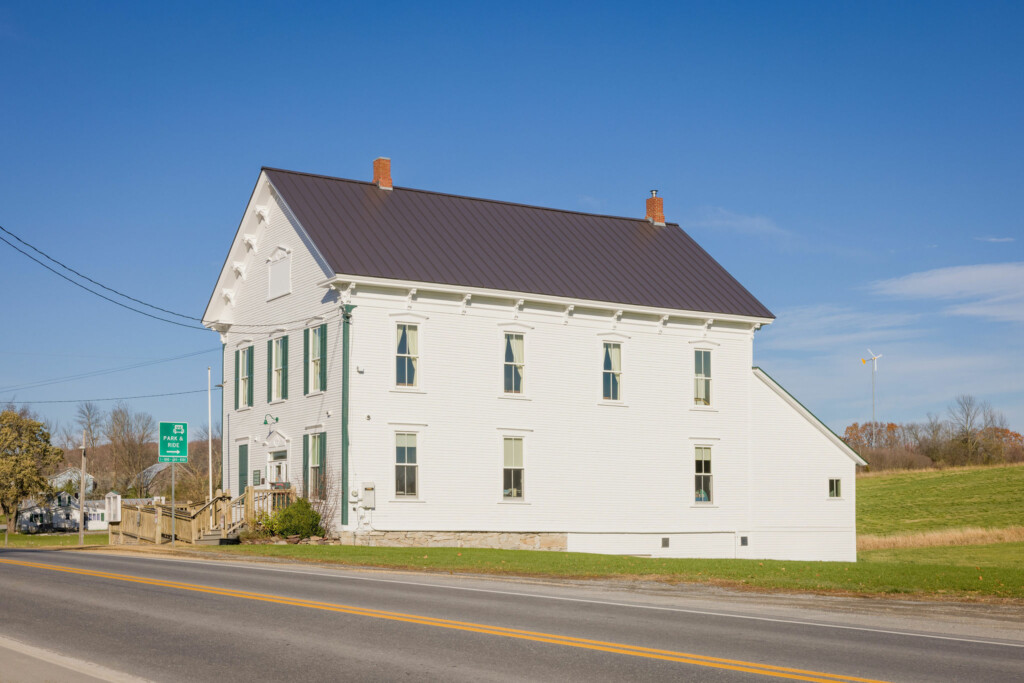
406, 234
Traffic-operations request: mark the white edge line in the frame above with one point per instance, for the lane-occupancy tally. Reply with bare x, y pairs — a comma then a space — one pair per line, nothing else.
76, 665
340, 574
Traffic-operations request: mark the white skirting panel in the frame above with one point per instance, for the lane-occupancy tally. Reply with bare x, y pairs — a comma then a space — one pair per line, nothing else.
708, 545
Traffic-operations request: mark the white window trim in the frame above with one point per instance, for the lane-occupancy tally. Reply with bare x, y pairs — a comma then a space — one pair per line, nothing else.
840, 496
276, 380
406, 318
308, 353
511, 434
243, 391
287, 448
318, 432
611, 338
514, 328
711, 406
713, 502
395, 498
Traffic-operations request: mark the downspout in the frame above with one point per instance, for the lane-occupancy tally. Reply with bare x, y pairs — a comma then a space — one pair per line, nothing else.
346, 342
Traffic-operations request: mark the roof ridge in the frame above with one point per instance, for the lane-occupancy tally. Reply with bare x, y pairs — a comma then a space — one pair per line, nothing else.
462, 196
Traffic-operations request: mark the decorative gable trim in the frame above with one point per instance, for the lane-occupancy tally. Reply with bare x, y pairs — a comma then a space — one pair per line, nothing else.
250, 241
279, 253
515, 327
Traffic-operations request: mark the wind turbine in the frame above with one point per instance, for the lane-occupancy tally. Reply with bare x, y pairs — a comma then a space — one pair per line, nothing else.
874, 370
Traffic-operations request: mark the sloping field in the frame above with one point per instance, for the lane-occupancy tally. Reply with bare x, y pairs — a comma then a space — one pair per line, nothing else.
914, 502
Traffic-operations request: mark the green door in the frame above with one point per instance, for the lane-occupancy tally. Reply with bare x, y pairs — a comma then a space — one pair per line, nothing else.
243, 468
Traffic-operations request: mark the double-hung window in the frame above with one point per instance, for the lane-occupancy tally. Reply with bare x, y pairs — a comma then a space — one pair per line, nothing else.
512, 482
702, 475
701, 377
835, 489
314, 374
277, 369
243, 377
405, 465
612, 373
314, 452
515, 363
406, 355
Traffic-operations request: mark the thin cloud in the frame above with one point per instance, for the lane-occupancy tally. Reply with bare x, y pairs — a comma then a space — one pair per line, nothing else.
993, 291
995, 240
821, 329
717, 218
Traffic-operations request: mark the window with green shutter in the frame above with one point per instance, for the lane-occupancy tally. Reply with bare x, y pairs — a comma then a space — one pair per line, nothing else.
277, 369
314, 452
243, 377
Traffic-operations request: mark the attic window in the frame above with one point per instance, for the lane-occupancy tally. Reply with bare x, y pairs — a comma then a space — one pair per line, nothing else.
279, 273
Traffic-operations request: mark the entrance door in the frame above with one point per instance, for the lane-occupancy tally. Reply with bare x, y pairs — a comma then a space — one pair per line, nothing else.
243, 468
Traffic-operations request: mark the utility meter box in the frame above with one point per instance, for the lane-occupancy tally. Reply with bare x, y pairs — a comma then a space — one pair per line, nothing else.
369, 495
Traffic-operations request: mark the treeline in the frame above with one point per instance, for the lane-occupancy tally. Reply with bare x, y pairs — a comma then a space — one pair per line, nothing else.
122, 444
970, 433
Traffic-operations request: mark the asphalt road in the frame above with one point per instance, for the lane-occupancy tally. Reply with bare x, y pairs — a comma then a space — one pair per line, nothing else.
183, 620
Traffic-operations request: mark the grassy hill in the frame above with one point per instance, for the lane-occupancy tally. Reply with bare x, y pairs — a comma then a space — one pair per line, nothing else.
909, 502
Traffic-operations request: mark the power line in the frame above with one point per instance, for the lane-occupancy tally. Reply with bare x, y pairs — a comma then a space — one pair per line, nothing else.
115, 398
107, 371
91, 291
99, 284
239, 327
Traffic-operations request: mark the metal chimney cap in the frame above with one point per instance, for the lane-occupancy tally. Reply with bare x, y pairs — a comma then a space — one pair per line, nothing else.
654, 193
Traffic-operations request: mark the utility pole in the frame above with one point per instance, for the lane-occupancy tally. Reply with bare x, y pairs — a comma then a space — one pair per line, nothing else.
81, 496
209, 429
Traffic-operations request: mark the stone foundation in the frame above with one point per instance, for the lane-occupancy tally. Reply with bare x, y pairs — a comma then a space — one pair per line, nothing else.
457, 539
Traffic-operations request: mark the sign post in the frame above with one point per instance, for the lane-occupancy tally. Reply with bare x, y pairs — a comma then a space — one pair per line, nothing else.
173, 449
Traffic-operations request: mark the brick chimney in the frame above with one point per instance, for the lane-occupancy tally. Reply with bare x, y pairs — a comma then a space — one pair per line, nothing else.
382, 173
655, 210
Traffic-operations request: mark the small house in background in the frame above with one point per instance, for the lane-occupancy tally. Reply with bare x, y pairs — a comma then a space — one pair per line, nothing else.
72, 476
470, 372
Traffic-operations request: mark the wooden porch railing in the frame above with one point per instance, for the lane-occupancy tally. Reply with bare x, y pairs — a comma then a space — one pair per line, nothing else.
192, 522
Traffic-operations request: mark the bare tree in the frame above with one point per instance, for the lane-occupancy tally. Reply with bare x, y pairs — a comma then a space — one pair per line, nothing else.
130, 435
90, 418
326, 498
67, 438
193, 479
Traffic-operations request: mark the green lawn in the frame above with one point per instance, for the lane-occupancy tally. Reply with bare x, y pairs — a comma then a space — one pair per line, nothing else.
1005, 555
894, 575
47, 540
902, 502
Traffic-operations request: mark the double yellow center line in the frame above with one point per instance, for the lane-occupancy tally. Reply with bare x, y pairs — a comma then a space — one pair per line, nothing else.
553, 639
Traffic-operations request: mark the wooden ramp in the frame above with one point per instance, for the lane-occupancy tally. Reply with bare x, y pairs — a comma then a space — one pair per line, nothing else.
216, 522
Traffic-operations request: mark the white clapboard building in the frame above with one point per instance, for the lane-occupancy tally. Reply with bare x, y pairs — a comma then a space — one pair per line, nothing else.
462, 371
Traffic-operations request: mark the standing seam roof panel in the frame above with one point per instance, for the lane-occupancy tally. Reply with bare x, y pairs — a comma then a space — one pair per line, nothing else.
405, 234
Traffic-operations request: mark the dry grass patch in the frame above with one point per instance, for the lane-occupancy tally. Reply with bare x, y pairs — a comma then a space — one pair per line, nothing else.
943, 537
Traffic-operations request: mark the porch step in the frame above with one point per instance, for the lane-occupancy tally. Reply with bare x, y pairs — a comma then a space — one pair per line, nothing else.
215, 539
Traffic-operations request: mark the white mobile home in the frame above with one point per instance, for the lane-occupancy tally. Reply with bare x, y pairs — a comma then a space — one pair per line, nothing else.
462, 371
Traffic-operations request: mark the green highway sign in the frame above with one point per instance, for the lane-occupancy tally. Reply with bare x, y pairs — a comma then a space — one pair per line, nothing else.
173, 442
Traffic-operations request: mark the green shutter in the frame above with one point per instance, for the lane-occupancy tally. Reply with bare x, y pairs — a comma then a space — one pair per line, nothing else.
284, 367
305, 361
236, 379
270, 370
305, 465
243, 468
250, 374
323, 357
322, 472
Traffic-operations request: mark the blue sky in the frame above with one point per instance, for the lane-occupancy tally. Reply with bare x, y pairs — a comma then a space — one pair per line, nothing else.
858, 166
